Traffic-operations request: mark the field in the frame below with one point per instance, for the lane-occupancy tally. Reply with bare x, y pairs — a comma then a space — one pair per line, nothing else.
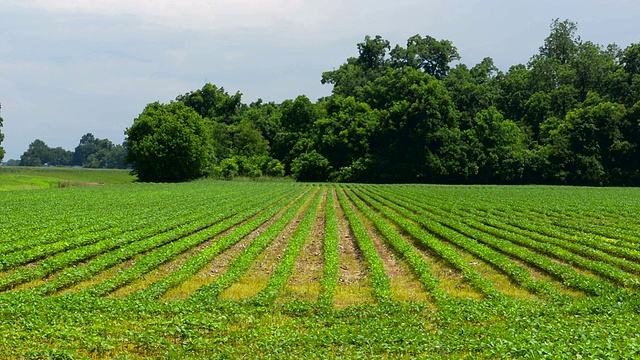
212, 269
29, 178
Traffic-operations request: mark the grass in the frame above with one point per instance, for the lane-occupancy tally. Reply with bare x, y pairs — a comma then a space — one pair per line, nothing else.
30, 178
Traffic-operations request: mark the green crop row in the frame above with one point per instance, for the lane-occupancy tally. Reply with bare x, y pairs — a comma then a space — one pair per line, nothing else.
160, 250
151, 236
515, 272
442, 250
501, 241
379, 279
408, 252
163, 254
329, 279
579, 255
241, 264
283, 270
197, 262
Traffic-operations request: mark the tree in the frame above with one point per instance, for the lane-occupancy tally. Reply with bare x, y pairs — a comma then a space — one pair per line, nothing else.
38, 154
311, 166
168, 143
213, 103
498, 148
87, 146
562, 44
589, 146
1, 138
426, 53
349, 79
414, 129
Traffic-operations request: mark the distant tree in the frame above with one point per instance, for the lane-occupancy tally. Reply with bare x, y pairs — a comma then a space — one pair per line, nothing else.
87, 146
372, 60
38, 154
60, 157
213, 103
169, 143
311, 166
1, 138
562, 44
92, 152
111, 157
426, 53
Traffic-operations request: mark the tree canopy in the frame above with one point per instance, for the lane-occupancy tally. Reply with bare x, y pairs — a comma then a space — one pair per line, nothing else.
415, 113
90, 153
168, 143
1, 138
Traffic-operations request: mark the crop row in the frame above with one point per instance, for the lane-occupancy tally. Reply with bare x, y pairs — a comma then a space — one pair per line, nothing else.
192, 225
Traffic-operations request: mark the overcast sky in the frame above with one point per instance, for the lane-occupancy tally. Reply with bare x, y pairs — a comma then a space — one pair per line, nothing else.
69, 67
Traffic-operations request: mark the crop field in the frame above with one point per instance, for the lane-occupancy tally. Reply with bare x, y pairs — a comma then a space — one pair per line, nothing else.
288, 270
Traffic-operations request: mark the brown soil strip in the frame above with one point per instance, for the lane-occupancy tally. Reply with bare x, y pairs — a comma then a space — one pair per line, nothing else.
539, 275
258, 274
354, 286
304, 282
220, 264
101, 277
405, 286
171, 266
500, 280
452, 282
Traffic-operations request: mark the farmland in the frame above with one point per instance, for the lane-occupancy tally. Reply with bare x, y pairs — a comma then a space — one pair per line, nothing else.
233, 269
29, 178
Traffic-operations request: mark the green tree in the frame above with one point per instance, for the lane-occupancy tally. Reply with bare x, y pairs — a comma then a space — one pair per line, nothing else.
589, 146
169, 143
296, 122
38, 154
1, 138
498, 148
112, 157
416, 133
311, 166
87, 146
60, 157
562, 44
426, 53
349, 78
343, 136
213, 103
515, 90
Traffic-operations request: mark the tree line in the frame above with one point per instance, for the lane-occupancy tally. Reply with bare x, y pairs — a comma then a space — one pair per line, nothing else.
1, 139
91, 152
407, 114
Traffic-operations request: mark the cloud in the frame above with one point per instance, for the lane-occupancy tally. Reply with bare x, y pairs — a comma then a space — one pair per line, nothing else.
195, 14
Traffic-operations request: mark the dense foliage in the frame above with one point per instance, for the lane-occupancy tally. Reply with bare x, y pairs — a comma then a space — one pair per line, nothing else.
168, 143
212, 269
91, 152
571, 115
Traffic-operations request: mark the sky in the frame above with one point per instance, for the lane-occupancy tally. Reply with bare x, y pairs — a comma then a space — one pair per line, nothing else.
71, 67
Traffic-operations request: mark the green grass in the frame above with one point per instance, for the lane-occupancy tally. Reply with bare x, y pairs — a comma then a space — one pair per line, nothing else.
28, 178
